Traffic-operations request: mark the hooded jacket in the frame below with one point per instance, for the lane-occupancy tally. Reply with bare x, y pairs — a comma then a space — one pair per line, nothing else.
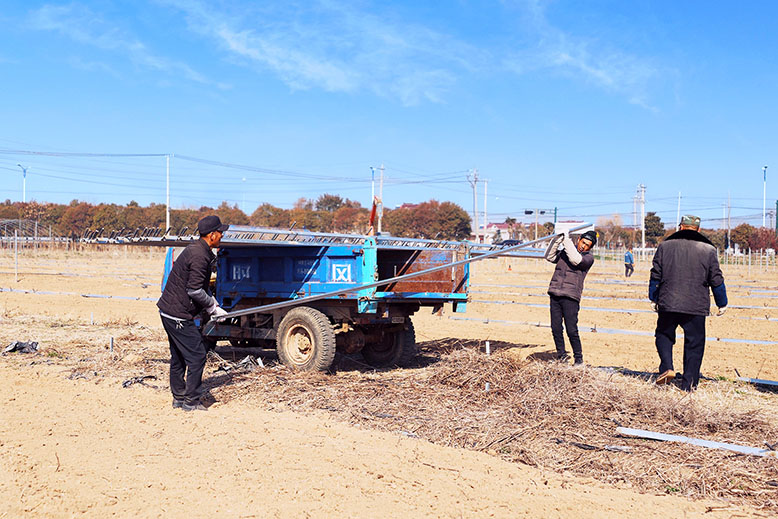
684, 270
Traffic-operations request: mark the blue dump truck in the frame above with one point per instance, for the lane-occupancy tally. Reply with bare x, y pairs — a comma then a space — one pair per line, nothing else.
310, 294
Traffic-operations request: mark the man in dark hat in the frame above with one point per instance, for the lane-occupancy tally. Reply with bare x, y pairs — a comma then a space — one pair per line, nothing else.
684, 271
573, 262
186, 296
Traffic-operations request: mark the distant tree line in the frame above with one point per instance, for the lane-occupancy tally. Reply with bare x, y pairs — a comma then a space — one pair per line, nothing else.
745, 236
328, 213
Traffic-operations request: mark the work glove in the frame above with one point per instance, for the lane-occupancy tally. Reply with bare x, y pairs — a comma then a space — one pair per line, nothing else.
721, 311
218, 313
654, 306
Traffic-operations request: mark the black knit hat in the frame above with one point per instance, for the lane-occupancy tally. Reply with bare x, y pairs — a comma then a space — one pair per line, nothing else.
591, 236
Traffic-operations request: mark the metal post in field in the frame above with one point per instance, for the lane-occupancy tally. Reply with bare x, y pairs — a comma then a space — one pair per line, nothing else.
488, 352
16, 256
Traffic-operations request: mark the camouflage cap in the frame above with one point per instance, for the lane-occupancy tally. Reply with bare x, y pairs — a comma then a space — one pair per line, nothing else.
690, 219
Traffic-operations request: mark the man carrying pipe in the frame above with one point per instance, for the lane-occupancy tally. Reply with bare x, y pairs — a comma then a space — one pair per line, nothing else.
685, 268
573, 262
186, 296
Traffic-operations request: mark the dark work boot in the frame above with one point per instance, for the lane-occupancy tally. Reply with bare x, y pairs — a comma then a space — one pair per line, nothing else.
194, 407
178, 404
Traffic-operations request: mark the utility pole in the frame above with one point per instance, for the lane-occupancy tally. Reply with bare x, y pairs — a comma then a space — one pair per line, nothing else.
678, 214
642, 200
380, 207
372, 184
167, 191
24, 182
474, 183
486, 215
729, 219
764, 194
243, 192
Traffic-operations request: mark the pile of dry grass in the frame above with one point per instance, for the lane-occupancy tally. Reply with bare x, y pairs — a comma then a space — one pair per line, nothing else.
546, 415
539, 413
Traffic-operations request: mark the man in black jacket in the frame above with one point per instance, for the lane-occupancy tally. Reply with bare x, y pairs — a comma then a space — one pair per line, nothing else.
572, 264
185, 297
685, 269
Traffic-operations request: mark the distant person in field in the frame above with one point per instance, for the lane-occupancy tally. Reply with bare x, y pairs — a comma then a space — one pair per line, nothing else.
684, 271
184, 297
629, 262
573, 262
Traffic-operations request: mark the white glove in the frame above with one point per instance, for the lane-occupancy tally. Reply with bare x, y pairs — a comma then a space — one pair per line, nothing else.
218, 314
654, 306
721, 311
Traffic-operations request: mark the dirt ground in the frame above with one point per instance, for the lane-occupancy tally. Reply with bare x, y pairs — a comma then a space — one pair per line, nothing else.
74, 442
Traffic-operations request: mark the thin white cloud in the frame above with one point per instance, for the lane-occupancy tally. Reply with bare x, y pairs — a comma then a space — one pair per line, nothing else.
338, 48
91, 66
595, 62
81, 24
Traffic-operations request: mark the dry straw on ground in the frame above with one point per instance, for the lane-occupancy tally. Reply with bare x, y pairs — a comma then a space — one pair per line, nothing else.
540, 413
543, 414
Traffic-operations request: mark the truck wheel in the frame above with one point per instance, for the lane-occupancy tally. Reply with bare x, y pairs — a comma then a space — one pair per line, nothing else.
305, 340
396, 348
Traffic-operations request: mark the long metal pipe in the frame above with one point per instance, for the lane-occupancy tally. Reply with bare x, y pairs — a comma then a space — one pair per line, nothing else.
327, 295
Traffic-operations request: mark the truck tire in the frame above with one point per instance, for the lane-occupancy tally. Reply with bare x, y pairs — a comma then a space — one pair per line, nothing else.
397, 348
305, 340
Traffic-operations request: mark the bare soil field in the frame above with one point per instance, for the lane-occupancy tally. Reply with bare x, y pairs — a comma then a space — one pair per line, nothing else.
427, 441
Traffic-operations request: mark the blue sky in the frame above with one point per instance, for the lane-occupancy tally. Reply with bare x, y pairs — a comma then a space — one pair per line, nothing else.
565, 104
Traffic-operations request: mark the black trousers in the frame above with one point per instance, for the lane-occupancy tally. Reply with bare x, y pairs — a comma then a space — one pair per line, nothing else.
187, 357
693, 344
565, 308
628, 269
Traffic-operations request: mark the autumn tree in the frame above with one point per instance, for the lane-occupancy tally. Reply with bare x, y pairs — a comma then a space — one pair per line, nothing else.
350, 220
655, 229
268, 215
762, 238
432, 219
329, 203
741, 235
717, 237
76, 218
231, 215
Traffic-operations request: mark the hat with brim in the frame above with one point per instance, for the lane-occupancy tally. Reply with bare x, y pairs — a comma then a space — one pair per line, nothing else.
210, 224
691, 220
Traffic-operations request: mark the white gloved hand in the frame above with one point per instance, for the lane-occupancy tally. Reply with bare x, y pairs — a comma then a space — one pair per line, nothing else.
654, 306
218, 313
721, 311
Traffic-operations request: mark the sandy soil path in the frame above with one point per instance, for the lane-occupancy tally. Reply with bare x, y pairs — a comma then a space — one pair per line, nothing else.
80, 449
90, 448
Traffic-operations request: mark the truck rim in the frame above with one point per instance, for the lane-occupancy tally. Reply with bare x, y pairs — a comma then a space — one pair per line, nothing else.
299, 341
